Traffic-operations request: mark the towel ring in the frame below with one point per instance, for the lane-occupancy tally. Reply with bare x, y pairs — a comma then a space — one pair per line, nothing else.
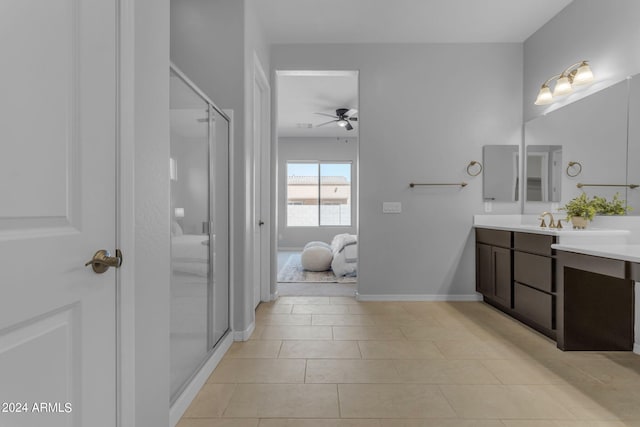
572, 165
472, 164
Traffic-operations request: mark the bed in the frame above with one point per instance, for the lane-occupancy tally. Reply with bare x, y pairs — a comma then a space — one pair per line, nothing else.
189, 252
345, 255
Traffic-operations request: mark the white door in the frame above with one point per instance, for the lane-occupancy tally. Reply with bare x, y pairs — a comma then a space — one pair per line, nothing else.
257, 193
57, 207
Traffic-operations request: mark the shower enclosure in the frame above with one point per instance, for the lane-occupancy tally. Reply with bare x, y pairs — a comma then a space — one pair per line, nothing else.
199, 172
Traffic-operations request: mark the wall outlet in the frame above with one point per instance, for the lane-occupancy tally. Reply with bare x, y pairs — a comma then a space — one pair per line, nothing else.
391, 207
488, 207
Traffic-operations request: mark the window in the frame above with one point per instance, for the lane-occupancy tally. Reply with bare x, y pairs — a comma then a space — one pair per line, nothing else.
318, 194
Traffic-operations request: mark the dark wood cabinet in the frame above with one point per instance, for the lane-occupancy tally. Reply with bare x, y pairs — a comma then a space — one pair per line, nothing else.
494, 277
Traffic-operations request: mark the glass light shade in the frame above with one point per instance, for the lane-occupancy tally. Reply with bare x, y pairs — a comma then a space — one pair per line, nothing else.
544, 96
584, 75
342, 123
179, 212
563, 86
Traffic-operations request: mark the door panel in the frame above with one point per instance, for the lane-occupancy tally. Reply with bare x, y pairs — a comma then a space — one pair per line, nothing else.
57, 184
502, 275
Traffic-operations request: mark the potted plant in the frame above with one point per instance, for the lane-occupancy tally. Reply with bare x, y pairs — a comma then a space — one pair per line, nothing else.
580, 210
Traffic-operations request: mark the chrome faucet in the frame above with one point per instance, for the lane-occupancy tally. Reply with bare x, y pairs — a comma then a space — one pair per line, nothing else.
552, 223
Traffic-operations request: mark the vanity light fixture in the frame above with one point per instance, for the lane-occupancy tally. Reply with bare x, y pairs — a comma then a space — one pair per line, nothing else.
577, 74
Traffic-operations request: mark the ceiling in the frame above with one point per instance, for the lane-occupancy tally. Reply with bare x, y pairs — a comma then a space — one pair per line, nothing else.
380, 21
303, 94
404, 21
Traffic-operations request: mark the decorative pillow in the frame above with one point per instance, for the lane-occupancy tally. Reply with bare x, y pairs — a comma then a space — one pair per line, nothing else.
317, 243
316, 258
176, 230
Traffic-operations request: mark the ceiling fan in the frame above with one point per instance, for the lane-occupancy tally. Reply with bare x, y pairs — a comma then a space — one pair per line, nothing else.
342, 118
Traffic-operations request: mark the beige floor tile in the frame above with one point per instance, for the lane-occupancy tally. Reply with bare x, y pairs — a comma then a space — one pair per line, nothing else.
351, 371
440, 423
320, 309
598, 402
404, 319
566, 423
376, 308
393, 401
257, 332
218, 422
283, 401
343, 300
323, 349
284, 319
342, 320
318, 423
303, 300
442, 371
399, 350
531, 371
211, 401
367, 333
475, 349
611, 371
254, 349
259, 371
434, 333
274, 308
296, 333
500, 401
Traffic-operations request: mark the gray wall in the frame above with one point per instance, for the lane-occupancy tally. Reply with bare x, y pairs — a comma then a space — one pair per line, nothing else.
292, 149
423, 117
604, 32
151, 208
213, 42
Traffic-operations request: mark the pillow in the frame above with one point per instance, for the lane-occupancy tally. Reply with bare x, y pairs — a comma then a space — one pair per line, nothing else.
176, 230
316, 258
317, 243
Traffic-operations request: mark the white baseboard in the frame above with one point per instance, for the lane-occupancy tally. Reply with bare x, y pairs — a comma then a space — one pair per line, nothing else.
636, 348
180, 406
244, 335
274, 296
471, 297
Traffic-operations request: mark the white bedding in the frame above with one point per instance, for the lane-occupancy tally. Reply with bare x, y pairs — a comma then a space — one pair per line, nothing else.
190, 254
345, 255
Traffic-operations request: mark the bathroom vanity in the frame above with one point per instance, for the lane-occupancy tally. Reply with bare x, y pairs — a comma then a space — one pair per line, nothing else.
556, 282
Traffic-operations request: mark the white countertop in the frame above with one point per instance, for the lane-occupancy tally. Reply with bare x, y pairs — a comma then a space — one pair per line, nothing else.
624, 252
566, 231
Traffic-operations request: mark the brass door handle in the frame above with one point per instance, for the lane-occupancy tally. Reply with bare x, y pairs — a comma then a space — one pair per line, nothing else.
102, 260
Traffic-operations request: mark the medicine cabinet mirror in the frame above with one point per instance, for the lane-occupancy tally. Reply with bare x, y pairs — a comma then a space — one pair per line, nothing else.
501, 173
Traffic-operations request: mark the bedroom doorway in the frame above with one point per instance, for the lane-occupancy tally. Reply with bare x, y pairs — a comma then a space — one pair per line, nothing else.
317, 130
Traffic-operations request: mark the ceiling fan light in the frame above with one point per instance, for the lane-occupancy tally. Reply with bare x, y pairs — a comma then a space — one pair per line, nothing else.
342, 123
563, 86
583, 75
544, 96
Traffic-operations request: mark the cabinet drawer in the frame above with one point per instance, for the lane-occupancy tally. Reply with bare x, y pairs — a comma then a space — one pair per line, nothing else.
534, 243
534, 305
494, 237
533, 270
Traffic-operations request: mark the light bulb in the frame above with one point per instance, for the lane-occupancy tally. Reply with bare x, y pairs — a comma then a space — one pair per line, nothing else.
544, 96
563, 86
584, 75
342, 123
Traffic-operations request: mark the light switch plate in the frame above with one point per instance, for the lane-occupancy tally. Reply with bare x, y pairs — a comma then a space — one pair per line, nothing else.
391, 207
488, 207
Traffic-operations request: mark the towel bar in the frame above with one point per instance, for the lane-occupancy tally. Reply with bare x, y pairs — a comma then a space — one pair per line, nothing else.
461, 184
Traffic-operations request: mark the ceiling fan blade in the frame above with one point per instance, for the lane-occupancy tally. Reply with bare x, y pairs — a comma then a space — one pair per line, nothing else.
325, 123
348, 126
353, 119
328, 115
351, 112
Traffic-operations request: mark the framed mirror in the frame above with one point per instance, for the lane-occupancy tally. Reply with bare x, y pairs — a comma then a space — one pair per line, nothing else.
544, 173
500, 181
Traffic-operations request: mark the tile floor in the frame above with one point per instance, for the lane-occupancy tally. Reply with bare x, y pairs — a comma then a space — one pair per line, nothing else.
336, 362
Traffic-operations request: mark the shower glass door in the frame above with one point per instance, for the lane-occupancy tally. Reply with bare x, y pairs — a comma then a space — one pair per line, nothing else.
198, 168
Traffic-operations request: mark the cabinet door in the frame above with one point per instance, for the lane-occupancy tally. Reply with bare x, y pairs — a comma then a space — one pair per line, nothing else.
502, 281
484, 273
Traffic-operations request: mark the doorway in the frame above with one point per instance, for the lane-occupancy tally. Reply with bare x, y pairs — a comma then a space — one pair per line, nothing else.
317, 140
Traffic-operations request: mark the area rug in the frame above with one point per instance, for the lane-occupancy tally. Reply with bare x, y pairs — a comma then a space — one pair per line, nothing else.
292, 272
